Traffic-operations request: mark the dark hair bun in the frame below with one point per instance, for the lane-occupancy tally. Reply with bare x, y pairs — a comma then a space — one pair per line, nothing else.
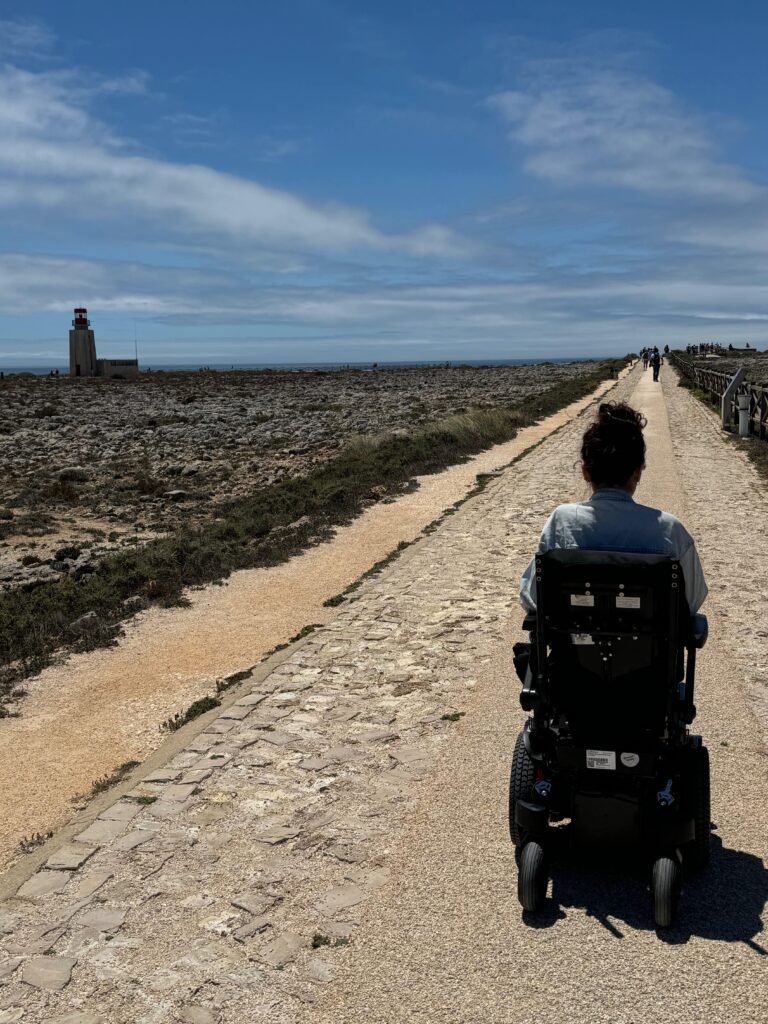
613, 446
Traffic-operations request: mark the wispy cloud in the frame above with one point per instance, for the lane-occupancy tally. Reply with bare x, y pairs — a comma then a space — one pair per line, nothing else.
57, 155
579, 123
24, 37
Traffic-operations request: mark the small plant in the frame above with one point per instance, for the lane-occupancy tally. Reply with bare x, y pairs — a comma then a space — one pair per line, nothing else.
30, 843
222, 685
145, 801
319, 940
452, 716
197, 708
106, 782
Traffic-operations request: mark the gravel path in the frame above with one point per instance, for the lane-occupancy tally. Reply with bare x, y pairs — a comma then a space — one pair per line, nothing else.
333, 847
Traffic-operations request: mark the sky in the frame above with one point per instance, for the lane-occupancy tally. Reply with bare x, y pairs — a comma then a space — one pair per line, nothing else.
328, 181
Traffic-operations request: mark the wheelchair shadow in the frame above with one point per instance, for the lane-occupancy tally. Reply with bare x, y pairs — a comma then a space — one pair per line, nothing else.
724, 903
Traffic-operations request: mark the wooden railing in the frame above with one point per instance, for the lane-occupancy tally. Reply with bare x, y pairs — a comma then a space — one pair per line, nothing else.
716, 385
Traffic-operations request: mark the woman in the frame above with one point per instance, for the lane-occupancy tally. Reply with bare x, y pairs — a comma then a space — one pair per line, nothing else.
612, 462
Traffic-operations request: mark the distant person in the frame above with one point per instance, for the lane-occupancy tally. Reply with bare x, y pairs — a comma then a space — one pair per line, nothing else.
645, 358
656, 363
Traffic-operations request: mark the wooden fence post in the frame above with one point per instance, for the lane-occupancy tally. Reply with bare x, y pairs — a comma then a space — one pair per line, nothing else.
730, 394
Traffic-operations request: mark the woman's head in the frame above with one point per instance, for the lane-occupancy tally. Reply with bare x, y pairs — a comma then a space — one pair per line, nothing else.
613, 447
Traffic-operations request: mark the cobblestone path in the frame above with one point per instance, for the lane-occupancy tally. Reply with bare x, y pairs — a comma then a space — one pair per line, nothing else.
332, 847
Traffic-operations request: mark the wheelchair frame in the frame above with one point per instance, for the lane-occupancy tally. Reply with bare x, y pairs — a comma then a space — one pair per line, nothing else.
654, 792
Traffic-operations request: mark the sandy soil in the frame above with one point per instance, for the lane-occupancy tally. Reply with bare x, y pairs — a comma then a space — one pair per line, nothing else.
85, 717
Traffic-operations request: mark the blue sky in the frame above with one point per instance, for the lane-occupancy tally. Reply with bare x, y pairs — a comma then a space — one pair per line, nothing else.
239, 182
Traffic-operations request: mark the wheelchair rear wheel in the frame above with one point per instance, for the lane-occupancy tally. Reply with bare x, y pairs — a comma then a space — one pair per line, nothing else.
665, 889
532, 876
521, 780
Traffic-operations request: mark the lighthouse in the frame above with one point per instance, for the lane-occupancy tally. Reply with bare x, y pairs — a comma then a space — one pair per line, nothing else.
82, 353
82, 346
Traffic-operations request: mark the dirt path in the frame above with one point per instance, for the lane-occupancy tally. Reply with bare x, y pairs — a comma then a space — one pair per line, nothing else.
333, 848
98, 710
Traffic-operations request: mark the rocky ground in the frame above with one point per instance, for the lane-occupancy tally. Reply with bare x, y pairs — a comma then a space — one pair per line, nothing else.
91, 465
755, 363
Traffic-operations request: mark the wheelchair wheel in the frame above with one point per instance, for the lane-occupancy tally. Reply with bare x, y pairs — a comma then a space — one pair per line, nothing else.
521, 780
532, 877
697, 852
665, 889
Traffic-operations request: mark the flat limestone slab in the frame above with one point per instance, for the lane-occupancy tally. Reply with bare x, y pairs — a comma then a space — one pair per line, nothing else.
44, 882
124, 810
282, 949
49, 972
102, 831
340, 898
70, 857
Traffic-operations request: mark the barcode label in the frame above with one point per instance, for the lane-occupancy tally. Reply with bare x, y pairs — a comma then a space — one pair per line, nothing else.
580, 639
605, 759
582, 600
624, 601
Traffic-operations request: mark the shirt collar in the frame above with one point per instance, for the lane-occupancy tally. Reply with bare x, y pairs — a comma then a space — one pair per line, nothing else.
612, 494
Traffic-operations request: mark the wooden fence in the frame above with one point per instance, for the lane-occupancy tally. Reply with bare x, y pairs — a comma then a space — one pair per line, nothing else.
716, 384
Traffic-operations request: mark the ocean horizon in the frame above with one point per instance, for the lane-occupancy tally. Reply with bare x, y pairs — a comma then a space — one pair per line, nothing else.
43, 370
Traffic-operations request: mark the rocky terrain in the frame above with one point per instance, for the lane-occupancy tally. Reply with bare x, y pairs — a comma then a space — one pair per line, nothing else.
755, 363
88, 466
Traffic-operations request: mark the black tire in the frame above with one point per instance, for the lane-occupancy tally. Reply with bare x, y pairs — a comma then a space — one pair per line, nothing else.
532, 877
696, 853
665, 890
521, 780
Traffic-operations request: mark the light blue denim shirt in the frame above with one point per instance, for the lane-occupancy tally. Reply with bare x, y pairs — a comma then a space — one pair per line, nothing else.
611, 520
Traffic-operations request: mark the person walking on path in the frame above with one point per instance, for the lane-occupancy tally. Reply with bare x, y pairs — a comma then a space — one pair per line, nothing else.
645, 358
656, 363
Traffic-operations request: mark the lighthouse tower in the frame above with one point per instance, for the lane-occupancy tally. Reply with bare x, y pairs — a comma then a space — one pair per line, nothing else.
82, 346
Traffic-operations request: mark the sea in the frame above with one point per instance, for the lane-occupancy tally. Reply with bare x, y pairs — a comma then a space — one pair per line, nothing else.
43, 371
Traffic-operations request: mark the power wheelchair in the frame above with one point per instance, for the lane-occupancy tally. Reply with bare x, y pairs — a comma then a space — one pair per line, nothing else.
608, 682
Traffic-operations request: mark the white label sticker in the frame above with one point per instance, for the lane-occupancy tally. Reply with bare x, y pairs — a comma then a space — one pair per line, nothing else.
582, 600
605, 759
623, 601
581, 638
630, 760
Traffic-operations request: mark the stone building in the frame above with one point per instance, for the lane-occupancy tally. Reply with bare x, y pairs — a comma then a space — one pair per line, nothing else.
82, 353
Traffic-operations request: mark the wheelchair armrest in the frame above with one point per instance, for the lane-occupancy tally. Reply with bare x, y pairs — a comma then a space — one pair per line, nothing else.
529, 622
700, 628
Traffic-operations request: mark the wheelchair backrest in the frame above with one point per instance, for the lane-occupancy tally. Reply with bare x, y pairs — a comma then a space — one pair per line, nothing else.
610, 633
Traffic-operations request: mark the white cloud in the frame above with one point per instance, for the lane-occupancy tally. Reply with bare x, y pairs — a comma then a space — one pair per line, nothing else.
612, 313
24, 37
588, 125
56, 154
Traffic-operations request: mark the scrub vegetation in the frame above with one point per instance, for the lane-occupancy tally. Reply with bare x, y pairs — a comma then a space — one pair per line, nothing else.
265, 528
